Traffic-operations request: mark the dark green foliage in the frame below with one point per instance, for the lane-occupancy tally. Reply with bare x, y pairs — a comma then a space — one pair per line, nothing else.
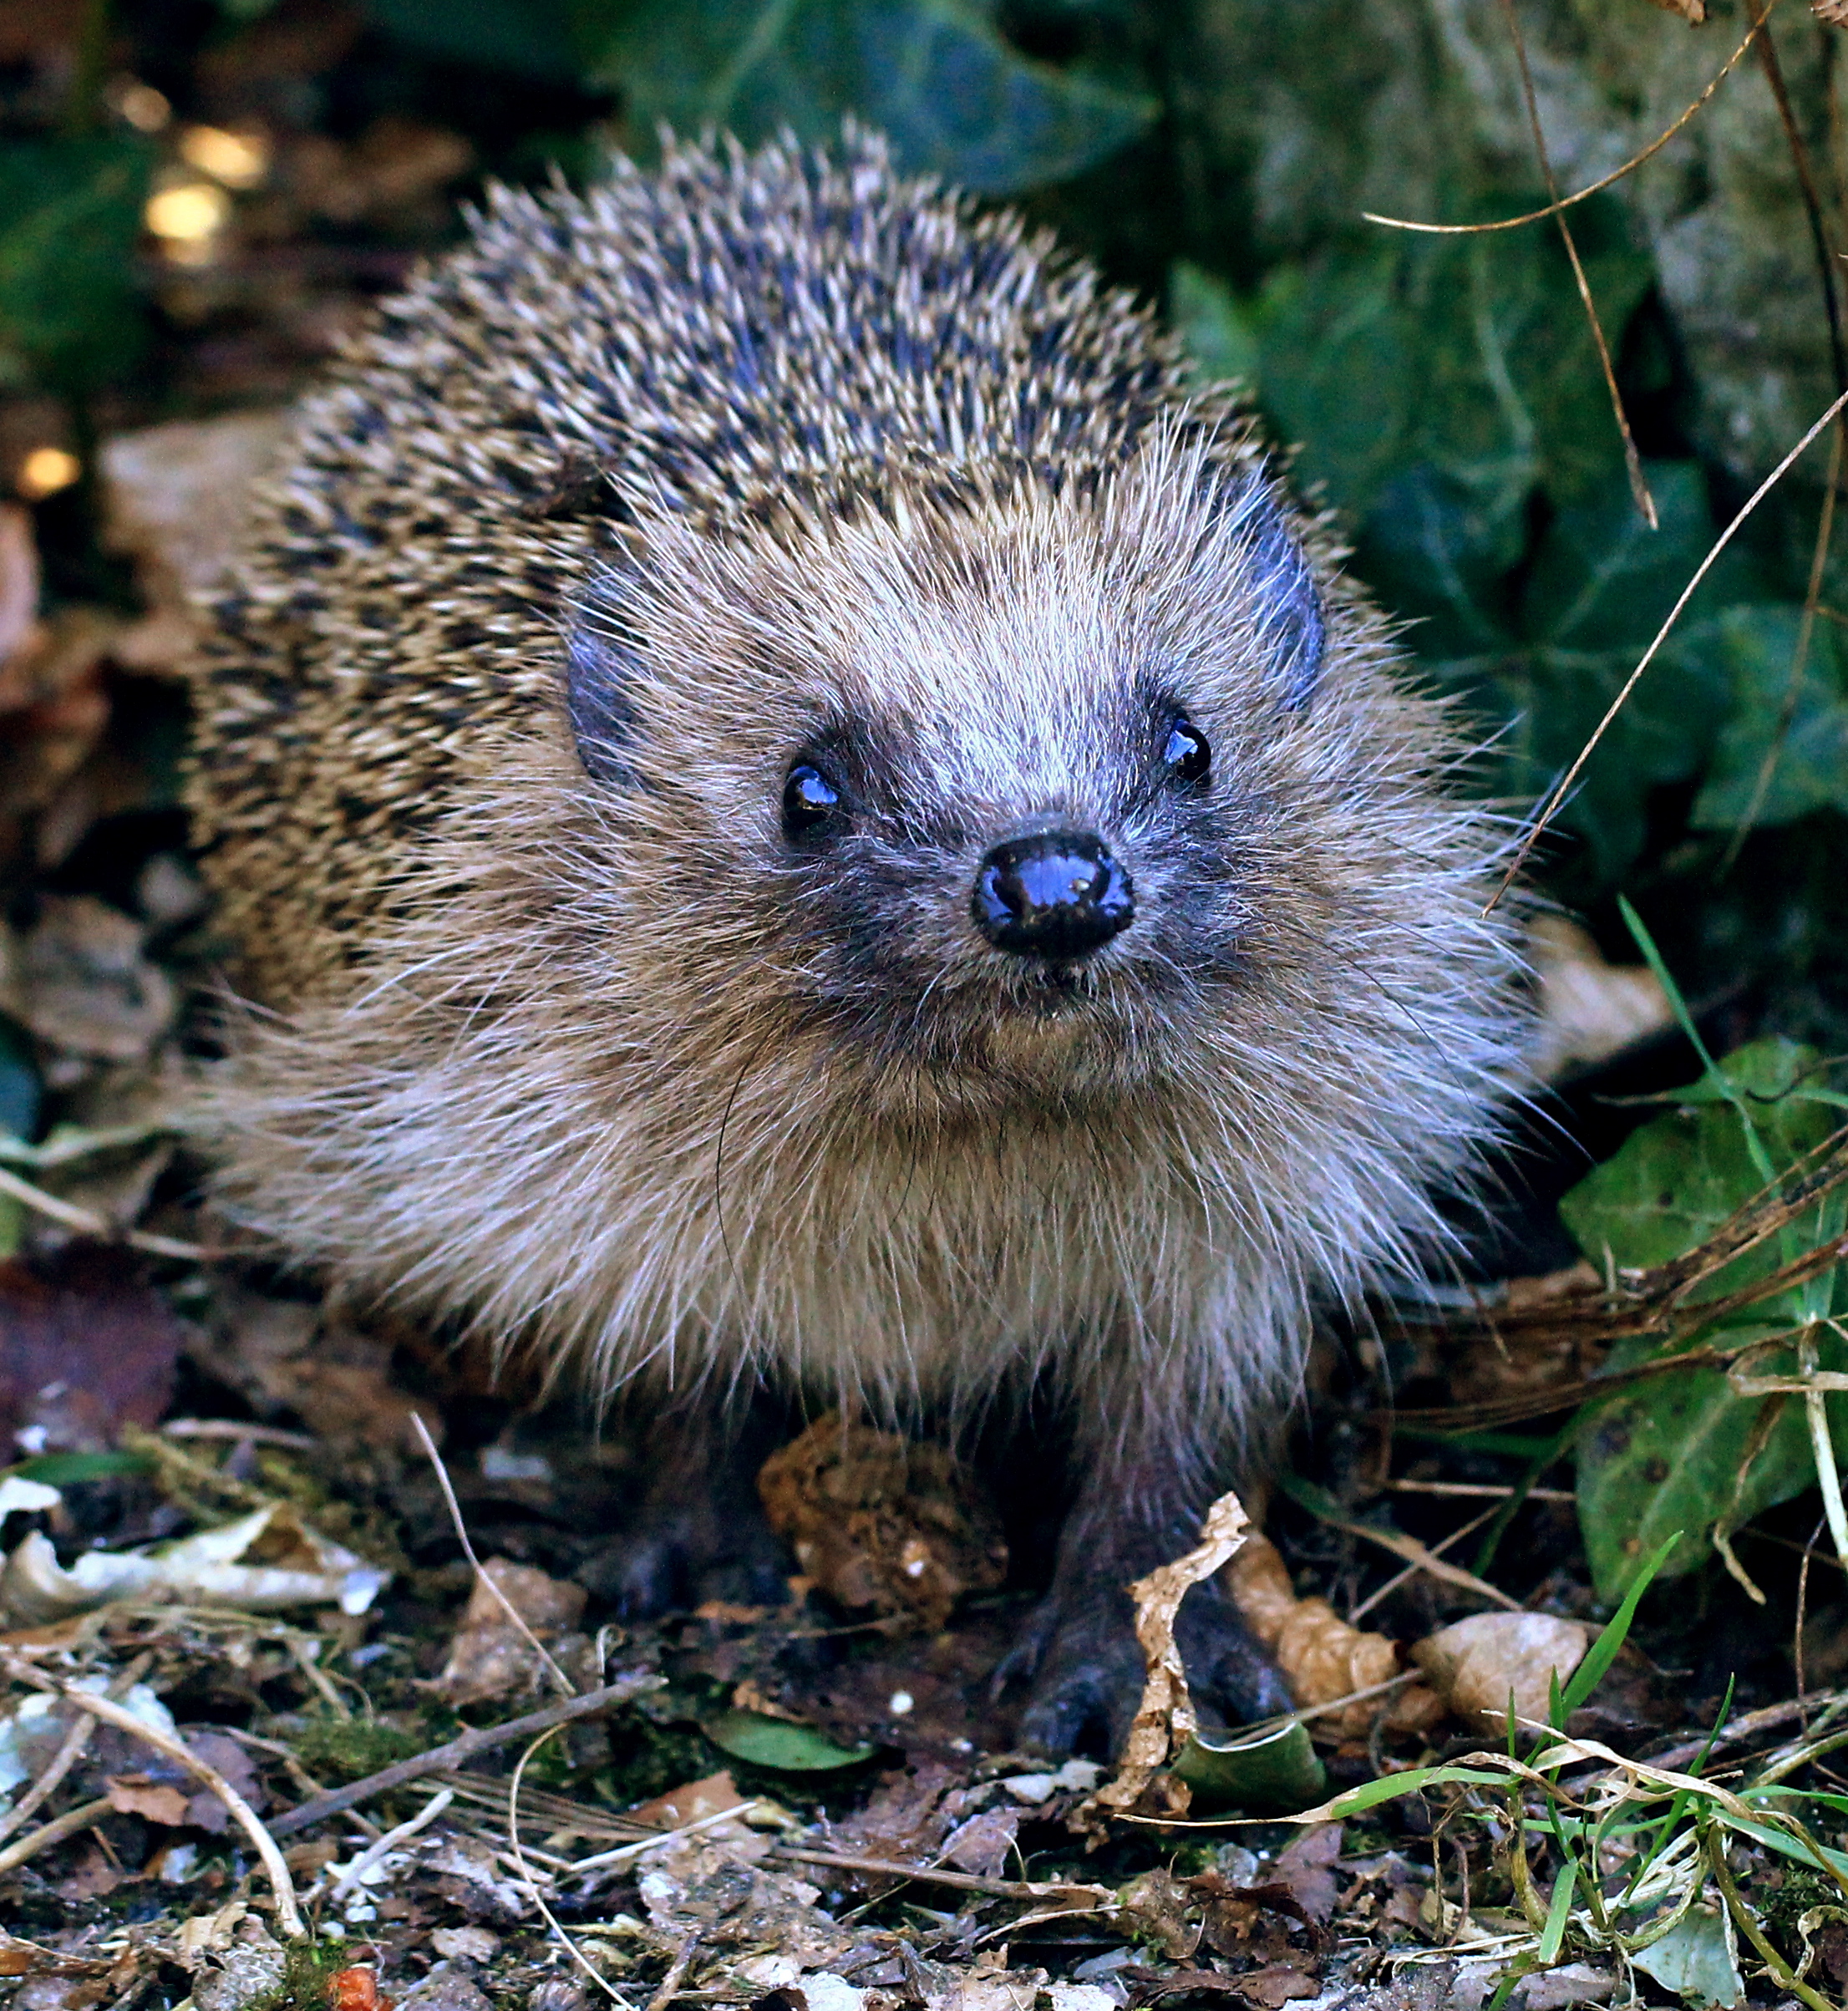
1448, 399
1688, 1451
956, 100
70, 215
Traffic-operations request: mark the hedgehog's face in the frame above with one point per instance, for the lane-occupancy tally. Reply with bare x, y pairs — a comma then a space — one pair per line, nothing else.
1022, 797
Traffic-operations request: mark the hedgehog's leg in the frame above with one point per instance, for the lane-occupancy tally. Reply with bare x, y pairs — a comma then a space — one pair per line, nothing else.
1081, 1652
698, 1532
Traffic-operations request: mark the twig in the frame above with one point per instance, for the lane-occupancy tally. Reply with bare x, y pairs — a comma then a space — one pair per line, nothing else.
1562, 789
76, 1740
1476, 1491
538, 1898
237, 1429
481, 1577
1604, 181
58, 1830
1633, 461
1401, 1545
593, 1704
288, 1914
89, 1223
390, 1840
1411, 1571
634, 1848
1831, 305
677, 1969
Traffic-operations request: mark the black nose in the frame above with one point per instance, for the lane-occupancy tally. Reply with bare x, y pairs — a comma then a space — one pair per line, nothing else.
1056, 894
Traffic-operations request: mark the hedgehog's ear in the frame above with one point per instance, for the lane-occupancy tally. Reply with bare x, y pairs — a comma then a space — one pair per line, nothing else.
1290, 626
601, 674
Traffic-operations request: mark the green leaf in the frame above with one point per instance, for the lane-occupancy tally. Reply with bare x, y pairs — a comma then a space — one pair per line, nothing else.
69, 1469
935, 75
1275, 1775
528, 37
779, 1745
1470, 355
1678, 1178
1672, 1454
70, 220
1757, 646
1695, 1960
1678, 1453
1218, 333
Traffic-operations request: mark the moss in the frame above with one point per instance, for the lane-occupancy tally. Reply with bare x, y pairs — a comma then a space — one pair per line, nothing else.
339, 1749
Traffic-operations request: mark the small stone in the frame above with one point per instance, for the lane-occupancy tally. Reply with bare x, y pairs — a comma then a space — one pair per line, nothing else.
473, 1944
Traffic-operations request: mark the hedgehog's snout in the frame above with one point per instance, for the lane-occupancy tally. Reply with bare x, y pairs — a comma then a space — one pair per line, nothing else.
1054, 895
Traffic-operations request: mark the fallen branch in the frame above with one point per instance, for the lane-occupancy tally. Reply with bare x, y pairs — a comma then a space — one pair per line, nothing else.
288, 1913
594, 1703
70, 1824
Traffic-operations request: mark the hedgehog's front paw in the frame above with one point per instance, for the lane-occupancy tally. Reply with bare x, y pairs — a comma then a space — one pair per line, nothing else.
1089, 1669
674, 1562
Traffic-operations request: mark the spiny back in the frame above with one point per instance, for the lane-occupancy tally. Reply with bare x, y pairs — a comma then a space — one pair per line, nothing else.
700, 340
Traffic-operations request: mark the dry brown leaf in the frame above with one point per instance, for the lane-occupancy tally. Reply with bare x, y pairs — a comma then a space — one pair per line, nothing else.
1475, 1664
490, 1656
176, 498
396, 164
1834, 12
153, 1800
1589, 1009
1322, 1656
1164, 1718
688, 1803
880, 1521
78, 980
1693, 12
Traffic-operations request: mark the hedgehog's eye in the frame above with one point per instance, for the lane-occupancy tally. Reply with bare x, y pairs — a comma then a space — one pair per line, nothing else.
809, 800
1187, 756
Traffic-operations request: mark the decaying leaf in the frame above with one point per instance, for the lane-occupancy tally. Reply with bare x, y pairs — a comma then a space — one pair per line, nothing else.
79, 979
490, 1656
87, 1346
264, 1562
1322, 1656
175, 497
882, 1522
1477, 1663
1164, 1718
1589, 1009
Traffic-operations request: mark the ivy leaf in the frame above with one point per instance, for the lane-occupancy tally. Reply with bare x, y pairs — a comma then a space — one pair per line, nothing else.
1686, 1451
70, 220
1678, 1453
1677, 1179
1603, 580
527, 37
936, 75
1758, 648
1599, 585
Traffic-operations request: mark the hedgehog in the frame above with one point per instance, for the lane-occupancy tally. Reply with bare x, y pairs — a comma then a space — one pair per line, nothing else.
801, 811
